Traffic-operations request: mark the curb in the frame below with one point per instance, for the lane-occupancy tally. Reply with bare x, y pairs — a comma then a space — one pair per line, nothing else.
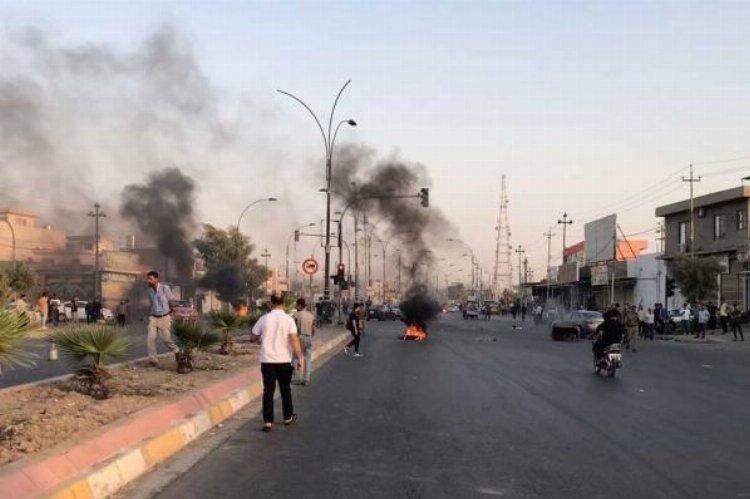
125, 450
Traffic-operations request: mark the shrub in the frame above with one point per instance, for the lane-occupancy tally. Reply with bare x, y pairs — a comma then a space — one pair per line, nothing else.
189, 337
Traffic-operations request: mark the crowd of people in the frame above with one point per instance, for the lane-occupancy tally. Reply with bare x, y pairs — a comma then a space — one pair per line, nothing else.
51, 310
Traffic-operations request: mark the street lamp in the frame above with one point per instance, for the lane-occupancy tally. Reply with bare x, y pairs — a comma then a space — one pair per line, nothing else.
239, 220
329, 143
474, 260
289, 240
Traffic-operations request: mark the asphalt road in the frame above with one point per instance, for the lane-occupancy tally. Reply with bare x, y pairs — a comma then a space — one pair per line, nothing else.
44, 368
482, 410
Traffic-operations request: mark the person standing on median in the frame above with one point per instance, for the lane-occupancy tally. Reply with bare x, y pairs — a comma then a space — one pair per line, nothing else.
160, 320
306, 331
277, 333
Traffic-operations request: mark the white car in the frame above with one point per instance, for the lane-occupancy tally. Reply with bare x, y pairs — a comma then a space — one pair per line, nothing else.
107, 314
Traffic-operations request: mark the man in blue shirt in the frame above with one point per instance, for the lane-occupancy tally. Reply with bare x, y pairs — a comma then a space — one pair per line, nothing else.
160, 320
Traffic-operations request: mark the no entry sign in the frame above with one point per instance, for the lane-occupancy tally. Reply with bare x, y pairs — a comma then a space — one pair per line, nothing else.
310, 266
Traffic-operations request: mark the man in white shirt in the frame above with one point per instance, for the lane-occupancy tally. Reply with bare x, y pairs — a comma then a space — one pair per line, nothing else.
278, 340
685, 317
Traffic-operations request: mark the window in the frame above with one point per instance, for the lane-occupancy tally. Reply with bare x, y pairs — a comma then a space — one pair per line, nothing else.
683, 235
719, 226
740, 219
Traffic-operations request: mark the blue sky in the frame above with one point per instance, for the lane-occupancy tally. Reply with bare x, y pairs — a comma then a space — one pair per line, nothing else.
579, 103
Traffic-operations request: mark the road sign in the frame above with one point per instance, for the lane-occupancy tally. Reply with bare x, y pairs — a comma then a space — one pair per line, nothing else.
310, 266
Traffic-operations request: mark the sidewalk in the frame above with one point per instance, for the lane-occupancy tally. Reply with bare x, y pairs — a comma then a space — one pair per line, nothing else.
714, 339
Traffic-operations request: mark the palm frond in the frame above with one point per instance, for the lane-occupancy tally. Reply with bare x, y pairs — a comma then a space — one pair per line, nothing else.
94, 342
190, 335
14, 328
227, 320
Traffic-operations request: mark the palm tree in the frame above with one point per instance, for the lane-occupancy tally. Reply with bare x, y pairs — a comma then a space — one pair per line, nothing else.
227, 321
14, 327
95, 344
190, 336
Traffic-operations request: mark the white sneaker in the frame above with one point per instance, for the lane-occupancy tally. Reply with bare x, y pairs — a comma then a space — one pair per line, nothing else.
346, 350
357, 354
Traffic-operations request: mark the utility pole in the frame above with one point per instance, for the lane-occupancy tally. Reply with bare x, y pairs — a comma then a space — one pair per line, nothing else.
399, 274
526, 270
692, 180
549, 235
565, 222
520, 251
96, 215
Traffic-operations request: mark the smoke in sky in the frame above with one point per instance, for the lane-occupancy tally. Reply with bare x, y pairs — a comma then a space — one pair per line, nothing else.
77, 122
163, 210
358, 174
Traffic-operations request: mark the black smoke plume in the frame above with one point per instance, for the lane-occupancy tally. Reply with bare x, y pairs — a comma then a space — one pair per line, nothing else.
358, 175
162, 208
418, 308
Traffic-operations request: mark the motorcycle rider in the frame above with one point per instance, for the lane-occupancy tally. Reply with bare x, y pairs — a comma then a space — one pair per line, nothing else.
608, 333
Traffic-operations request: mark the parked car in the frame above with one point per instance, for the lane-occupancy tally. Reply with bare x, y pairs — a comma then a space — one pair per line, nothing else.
372, 313
452, 308
67, 315
396, 312
184, 311
385, 313
577, 324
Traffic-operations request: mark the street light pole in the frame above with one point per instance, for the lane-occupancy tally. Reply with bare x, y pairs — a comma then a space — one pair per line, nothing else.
239, 219
288, 241
520, 251
328, 142
96, 215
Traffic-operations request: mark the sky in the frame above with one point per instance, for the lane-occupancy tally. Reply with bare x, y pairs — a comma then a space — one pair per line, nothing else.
587, 107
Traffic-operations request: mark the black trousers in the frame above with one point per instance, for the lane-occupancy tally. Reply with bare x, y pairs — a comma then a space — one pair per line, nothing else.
273, 373
723, 320
737, 328
354, 342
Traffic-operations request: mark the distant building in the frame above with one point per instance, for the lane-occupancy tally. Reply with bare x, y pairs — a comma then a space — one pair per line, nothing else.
30, 240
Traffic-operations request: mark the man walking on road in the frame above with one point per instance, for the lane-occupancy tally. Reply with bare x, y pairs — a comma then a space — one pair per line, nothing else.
734, 320
278, 340
160, 320
306, 331
353, 326
631, 326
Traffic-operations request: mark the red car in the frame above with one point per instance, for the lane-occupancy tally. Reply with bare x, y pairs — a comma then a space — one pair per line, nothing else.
184, 311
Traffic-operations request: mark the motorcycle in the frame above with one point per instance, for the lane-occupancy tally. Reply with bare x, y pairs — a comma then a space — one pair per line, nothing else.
610, 361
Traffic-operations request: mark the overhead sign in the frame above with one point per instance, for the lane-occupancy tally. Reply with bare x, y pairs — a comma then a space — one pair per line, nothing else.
310, 266
599, 274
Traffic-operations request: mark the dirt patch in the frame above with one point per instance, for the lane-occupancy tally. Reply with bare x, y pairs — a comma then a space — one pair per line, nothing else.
39, 417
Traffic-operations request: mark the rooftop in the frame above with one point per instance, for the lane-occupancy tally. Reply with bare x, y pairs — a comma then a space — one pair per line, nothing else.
706, 200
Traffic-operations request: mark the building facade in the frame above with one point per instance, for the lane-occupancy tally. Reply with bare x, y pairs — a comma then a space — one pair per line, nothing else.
720, 231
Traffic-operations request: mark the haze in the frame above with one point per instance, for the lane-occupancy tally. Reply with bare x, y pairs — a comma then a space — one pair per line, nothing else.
579, 104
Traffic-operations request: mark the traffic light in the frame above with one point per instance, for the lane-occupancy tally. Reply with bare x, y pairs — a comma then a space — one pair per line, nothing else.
670, 286
340, 273
424, 194
296, 236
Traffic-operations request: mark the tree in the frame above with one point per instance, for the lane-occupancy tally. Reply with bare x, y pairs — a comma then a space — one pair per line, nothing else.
227, 321
14, 328
696, 276
22, 278
191, 336
231, 270
95, 344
